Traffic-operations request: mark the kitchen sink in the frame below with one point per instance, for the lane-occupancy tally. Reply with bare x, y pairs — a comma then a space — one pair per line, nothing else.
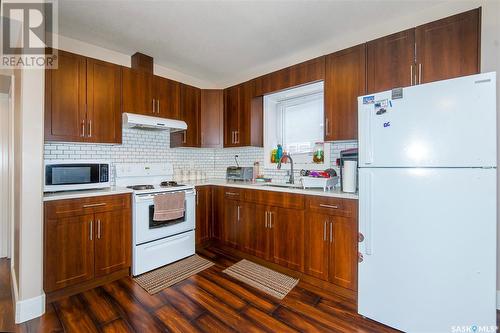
284, 185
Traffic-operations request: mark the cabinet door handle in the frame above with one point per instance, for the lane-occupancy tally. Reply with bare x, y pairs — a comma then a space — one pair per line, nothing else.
90, 230
158, 106
94, 205
237, 136
266, 220
331, 232
324, 230
184, 137
327, 126
98, 229
238, 211
419, 73
411, 74
329, 206
153, 105
83, 128
90, 128
270, 220
232, 193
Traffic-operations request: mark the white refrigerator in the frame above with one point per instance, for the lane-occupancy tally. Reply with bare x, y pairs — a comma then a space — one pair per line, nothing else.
427, 206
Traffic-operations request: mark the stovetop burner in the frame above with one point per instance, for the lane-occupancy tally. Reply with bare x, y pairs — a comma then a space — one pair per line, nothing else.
141, 187
170, 184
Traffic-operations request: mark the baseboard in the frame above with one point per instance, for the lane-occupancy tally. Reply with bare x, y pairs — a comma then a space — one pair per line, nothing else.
29, 308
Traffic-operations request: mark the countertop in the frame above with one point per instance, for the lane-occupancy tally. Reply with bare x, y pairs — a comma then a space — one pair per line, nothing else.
335, 192
84, 193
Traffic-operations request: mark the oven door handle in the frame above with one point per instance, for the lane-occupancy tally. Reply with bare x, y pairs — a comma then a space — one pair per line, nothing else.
148, 197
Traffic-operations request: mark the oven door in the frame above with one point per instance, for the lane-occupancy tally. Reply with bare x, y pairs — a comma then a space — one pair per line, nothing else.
147, 230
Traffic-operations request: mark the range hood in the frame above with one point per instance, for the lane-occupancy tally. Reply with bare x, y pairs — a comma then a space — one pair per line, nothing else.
132, 120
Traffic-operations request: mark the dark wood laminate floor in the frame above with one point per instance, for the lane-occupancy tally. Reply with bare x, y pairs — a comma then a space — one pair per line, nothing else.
210, 301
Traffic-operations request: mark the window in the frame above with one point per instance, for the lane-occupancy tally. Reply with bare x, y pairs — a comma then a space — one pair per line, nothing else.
294, 119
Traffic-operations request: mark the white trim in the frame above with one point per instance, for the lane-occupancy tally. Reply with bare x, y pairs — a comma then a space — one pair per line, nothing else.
498, 299
29, 308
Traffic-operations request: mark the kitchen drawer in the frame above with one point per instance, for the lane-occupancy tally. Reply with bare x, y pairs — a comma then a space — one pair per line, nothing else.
83, 206
332, 206
276, 199
233, 193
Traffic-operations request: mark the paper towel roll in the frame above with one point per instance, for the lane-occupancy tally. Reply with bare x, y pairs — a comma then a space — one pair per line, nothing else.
349, 174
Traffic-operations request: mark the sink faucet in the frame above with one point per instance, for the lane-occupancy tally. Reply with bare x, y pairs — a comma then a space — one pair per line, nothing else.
292, 180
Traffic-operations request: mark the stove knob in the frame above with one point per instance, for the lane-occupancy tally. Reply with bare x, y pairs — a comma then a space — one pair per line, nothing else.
360, 257
361, 237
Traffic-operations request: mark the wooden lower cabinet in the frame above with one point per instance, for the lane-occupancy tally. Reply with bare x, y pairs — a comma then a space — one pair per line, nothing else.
344, 252
317, 245
231, 228
287, 226
203, 214
85, 240
332, 248
69, 251
256, 235
112, 241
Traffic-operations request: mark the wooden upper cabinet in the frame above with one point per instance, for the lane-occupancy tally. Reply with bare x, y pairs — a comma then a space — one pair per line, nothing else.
112, 241
190, 113
296, 75
231, 115
345, 80
65, 99
449, 47
212, 118
69, 251
390, 62
166, 96
243, 116
136, 92
103, 102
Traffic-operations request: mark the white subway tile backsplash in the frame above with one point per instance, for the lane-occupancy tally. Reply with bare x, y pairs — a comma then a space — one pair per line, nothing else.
154, 146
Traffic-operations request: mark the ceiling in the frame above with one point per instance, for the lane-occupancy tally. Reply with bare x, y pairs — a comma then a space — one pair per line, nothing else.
222, 42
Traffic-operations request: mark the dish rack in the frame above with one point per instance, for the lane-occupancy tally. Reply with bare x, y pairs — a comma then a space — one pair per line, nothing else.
316, 182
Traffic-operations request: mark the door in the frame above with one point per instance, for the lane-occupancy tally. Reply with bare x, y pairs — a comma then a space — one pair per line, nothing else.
390, 62
69, 251
449, 47
190, 113
432, 125
65, 99
287, 227
317, 245
203, 214
103, 102
345, 80
343, 252
429, 247
232, 215
212, 118
255, 230
231, 115
136, 92
167, 94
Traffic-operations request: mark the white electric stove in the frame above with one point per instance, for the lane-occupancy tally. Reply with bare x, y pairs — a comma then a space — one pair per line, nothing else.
155, 243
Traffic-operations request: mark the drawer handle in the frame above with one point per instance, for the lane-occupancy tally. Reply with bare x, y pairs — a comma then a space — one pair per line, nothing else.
329, 206
232, 193
94, 205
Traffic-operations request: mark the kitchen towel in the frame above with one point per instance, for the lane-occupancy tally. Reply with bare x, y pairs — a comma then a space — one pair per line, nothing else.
349, 175
169, 206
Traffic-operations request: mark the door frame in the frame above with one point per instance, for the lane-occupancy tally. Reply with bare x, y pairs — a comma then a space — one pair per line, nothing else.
6, 171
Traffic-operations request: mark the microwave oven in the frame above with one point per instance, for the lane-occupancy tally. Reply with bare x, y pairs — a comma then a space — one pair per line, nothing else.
70, 175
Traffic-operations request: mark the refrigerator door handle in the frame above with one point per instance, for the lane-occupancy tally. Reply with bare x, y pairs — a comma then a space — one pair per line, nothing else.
368, 144
368, 212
